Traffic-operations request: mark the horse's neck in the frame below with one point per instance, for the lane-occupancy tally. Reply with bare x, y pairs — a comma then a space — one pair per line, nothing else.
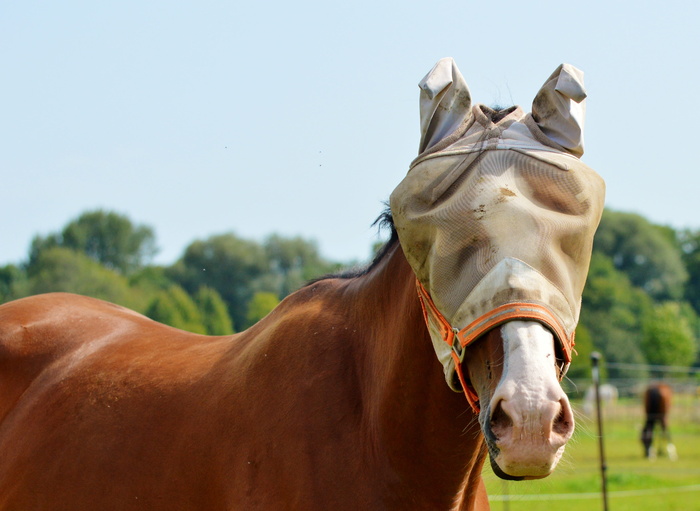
426, 433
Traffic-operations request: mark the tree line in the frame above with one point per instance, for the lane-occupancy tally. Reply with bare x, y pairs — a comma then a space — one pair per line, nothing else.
642, 295
641, 304
220, 285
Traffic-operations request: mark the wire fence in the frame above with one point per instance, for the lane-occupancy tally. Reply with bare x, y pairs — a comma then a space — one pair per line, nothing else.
593, 495
622, 398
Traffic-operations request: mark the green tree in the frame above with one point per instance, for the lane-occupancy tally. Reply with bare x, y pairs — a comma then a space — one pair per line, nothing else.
174, 307
668, 336
13, 282
260, 306
226, 263
611, 312
646, 253
689, 241
106, 237
146, 283
581, 363
154, 278
292, 262
62, 269
213, 310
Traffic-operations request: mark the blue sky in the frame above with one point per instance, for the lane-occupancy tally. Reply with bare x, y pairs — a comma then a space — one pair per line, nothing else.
299, 118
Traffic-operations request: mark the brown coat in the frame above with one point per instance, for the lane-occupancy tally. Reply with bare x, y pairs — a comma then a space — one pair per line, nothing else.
334, 401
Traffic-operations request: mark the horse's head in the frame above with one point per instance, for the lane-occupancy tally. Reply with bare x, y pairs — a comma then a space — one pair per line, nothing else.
496, 217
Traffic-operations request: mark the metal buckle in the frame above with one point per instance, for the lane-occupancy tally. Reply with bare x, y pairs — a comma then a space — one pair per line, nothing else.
457, 345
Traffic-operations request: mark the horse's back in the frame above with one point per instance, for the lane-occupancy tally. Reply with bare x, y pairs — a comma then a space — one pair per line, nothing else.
92, 392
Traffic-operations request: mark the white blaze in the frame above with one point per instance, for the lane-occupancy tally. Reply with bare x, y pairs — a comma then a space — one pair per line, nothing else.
530, 413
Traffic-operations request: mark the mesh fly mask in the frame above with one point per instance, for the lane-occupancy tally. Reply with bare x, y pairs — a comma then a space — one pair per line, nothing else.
497, 214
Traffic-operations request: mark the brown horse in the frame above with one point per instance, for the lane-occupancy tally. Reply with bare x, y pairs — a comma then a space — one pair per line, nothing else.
657, 405
335, 400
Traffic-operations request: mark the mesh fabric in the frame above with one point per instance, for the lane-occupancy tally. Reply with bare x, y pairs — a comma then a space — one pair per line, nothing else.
496, 213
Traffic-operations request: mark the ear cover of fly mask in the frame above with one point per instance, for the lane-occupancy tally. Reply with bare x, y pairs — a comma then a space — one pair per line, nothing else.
559, 108
445, 102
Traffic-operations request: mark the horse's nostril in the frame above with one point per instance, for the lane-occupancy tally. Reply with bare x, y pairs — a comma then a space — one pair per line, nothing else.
563, 422
500, 421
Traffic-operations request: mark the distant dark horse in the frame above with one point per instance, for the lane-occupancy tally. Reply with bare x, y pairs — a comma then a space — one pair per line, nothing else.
657, 404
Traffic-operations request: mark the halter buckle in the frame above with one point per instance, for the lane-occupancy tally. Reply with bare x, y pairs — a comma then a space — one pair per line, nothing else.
457, 347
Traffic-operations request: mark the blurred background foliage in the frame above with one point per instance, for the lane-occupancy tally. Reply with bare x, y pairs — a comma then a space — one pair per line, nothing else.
641, 303
220, 285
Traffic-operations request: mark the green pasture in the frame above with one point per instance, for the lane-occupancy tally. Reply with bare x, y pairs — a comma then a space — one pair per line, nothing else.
634, 483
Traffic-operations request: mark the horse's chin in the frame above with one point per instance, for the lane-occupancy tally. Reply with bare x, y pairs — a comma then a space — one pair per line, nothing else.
508, 477
520, 471
500, 473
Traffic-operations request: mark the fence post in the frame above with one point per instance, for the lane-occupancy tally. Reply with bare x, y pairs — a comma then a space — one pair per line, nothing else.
595, 359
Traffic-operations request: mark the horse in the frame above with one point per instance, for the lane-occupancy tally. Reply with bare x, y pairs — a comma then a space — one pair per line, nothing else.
351, 393
657, 405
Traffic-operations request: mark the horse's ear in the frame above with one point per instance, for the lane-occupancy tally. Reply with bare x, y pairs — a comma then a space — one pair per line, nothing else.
445, 102
559, 109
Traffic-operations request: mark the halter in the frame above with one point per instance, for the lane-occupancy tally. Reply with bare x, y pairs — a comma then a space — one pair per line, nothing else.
458, 340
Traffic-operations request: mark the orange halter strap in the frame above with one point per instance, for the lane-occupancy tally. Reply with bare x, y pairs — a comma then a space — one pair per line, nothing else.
458, 340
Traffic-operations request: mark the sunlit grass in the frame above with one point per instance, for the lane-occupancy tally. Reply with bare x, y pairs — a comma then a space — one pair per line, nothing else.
634, 483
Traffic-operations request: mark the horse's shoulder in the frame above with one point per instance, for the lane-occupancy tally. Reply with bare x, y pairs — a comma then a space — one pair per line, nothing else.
64, 337
36, 332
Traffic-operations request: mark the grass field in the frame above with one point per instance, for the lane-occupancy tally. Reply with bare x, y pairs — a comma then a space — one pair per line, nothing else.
634, 483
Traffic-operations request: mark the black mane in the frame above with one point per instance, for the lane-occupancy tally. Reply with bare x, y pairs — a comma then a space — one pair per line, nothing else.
383, 221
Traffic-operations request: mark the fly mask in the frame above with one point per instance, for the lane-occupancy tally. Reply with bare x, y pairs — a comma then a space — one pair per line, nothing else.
496, 215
